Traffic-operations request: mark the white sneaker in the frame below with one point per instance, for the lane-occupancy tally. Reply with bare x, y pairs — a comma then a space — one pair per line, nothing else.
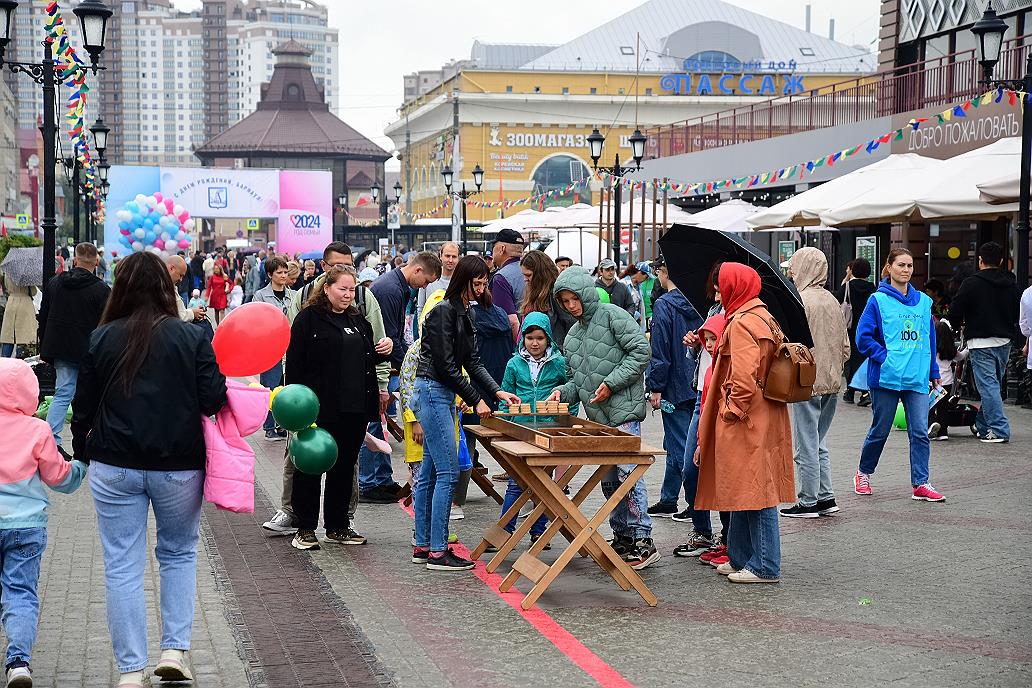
172, 666
526, 510
747, 576
281, 524
19, 677
725, 569
457, 514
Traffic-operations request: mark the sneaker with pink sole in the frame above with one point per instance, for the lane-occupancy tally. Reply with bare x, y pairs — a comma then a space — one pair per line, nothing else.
862, 483
927, 493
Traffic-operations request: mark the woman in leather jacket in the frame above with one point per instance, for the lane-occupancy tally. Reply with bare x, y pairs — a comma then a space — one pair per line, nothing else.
448, 347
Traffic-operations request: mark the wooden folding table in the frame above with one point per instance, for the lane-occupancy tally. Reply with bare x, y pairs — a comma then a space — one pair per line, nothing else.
532, 467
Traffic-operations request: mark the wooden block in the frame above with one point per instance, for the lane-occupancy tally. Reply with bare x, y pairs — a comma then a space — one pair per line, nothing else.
497, 535
564, 409
530, 567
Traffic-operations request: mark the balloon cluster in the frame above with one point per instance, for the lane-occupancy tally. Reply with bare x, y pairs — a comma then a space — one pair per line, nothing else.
311, 449
154, 223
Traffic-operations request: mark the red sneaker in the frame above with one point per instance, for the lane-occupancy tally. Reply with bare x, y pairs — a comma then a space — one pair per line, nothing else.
862, 483
717, 561
927, 493
719, 551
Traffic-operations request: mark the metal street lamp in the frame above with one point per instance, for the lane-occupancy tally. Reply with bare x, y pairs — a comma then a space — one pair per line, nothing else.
71, 166
462, 195
103, 169
596, 141
100, 135
93, 17
397, 192
989, 31
446, 175
375, 191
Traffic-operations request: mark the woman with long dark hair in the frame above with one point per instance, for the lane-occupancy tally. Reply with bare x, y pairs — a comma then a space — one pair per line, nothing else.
540, 273
332, 351
144, 384
448, 346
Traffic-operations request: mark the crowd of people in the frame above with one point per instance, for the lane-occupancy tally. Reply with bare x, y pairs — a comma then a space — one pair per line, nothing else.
459, 337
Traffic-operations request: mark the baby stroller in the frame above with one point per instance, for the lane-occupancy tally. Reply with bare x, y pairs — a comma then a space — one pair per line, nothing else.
950, 411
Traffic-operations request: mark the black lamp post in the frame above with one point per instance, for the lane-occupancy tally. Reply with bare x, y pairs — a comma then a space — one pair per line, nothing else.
463, 195
989, 32
595, 143
342, 203
93, 17
71, 165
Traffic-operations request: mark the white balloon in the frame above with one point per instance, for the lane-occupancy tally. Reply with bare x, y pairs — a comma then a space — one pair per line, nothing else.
140, 233
165, 236
180, 235
177, 210
124, 215
137, 246
141, 199
189, 224
162, 209
151, 201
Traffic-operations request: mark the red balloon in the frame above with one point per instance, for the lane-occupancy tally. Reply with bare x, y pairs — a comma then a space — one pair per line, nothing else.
251, 339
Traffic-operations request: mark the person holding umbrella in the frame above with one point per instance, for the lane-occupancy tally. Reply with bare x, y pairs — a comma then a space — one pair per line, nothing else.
745, 440
22, 268
896, 335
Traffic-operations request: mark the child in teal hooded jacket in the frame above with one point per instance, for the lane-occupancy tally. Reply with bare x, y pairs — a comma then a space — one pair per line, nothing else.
532, 373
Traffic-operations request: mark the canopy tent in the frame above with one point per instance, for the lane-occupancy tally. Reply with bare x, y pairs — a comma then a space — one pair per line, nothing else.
729, 216
946, 191
1003, 189
804, 209
584, 215
580, 245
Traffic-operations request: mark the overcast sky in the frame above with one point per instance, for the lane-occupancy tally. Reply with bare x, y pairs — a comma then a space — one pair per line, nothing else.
382, 41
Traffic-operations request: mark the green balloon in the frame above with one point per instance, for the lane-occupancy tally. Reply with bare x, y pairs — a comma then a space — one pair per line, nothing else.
313, 451
900, 421
295, 407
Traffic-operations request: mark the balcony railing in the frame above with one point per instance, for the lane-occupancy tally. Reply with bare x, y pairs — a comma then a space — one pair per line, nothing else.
940, 81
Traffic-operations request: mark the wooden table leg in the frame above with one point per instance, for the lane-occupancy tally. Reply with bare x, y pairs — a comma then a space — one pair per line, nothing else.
485, 483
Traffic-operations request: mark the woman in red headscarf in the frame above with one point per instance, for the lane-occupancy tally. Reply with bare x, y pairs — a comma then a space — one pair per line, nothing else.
745, 440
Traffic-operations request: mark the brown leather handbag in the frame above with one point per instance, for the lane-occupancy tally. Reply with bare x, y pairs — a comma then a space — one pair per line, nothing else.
792, 372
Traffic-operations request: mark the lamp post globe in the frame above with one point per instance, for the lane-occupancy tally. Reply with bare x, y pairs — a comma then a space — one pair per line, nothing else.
595, 142
637, 142
7, 8
342, 200
447, 175
374, 191
989, 32
100, 135
478, 176
103, 169
397, 192
93, 18
69, 168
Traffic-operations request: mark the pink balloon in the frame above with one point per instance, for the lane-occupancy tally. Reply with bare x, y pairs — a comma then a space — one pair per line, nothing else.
126, 232
159, 244
157, 196
169, 204
184, 217
183, 243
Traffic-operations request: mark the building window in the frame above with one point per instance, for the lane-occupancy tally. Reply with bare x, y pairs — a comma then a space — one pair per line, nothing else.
566, 90
806, 52
293, 93
594, 90
648, 91
626, 50
537, 89
508, 89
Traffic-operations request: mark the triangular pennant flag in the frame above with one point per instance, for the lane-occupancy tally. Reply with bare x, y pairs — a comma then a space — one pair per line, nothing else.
958, 112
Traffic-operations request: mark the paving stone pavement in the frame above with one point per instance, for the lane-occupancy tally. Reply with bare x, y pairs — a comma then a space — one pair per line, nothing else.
888, 591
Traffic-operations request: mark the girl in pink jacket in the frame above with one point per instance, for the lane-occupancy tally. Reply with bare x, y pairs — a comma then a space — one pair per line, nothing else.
28, 460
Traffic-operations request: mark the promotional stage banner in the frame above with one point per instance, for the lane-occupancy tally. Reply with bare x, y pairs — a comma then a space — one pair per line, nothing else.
211, 192
305, 220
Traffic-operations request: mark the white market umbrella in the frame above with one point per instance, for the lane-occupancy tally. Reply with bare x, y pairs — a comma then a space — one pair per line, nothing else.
729, 216
948, 191
804, 209
582, 246
1003, 189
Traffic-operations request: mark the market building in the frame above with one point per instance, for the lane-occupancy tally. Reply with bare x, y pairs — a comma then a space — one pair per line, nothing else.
928, 63
523, 112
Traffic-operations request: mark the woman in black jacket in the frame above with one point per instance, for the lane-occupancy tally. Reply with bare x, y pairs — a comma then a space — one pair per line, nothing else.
332, 352
448, 346
144, 384
859, 290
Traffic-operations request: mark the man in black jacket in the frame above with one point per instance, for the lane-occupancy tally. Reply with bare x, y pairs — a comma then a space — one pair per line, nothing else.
72, 305
986, 304
619, 294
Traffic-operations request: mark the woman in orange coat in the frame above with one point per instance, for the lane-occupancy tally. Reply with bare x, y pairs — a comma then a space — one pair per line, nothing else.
745, 440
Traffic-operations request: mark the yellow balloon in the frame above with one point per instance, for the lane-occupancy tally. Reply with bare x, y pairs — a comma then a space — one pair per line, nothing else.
273, 395
255, 384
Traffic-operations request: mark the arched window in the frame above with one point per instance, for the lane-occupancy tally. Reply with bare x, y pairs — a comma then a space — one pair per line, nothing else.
714, 61
293, 93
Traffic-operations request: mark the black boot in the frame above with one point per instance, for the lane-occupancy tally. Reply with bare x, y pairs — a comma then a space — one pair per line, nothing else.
849, 396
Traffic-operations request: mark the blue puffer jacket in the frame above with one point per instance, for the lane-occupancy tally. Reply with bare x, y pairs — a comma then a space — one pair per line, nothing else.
606, 345
671, 371
518, 378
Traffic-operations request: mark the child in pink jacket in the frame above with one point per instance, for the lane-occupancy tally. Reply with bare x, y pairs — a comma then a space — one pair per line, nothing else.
28, 460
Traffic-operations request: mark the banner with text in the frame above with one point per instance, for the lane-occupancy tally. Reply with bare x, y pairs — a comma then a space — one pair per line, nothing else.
212, 192
306, 211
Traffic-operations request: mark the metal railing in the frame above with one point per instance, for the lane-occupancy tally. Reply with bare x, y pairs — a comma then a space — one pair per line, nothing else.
940, 81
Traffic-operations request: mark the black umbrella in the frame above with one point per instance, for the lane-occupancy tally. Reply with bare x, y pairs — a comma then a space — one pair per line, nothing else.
690, 253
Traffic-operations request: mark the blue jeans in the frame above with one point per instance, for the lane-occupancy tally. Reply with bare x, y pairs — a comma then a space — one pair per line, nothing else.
631, 517
988, 366
676, 426
121, 497
754, 542
700, 519
8, 350
271, 379
434, 406
374, 468
915, 406
20, 550
64, 392
811, 421
512, 493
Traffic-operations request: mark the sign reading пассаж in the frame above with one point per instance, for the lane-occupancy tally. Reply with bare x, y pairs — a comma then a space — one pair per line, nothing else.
738, 78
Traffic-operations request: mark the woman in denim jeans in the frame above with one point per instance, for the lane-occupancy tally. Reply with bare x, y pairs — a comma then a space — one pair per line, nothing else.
144, 384
448, 346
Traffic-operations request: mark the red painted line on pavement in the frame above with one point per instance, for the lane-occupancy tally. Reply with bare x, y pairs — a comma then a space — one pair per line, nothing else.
564, 641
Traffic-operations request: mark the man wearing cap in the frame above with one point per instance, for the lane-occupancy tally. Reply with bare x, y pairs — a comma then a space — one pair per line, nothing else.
507, 283
619, 294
